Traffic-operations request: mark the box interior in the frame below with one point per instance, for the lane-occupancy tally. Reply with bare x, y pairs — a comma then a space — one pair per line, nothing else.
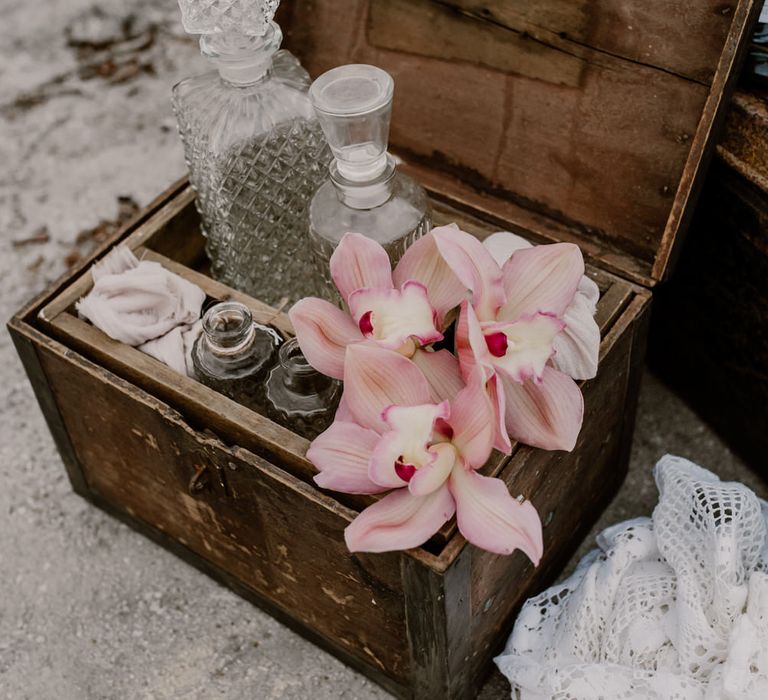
172, 236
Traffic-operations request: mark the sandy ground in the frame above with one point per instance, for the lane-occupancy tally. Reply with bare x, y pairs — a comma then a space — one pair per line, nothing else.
88, 608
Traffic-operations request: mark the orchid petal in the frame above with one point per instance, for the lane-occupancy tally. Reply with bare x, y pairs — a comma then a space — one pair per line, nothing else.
395, 315
475, 268
323, 331
501, 440
541, 279
375, 378
529, 344
501, 245
490, 518
546, 414
422, 262
432, 475
409, 432
441, 370
400, 520
342, 411
471, 348
341, 454
473, 419
577, 348
360, 262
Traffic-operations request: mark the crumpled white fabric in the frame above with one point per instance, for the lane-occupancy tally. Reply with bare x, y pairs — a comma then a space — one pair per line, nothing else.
671, 607
175, 347
142, 304
577, 348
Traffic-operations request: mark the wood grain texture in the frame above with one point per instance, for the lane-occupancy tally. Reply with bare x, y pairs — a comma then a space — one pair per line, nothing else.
702, 146
27, 340
597, 115
744, 144
438, 617
243, 514
652, 33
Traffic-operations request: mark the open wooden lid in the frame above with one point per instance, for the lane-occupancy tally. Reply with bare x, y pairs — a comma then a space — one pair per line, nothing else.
591, 120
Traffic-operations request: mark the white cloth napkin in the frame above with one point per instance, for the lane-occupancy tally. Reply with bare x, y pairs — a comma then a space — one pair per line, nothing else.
669, 607
142, 304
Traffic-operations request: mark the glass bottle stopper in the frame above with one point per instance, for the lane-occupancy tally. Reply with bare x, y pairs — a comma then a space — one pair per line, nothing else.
238, 36
353, 104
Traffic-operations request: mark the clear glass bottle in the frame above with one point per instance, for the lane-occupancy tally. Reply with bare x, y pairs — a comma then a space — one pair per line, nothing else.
233, 353
298, 396
254, 148
365, 192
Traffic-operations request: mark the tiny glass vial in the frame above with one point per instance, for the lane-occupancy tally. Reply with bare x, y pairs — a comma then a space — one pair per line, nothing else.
365, 192
298, 396
233, 353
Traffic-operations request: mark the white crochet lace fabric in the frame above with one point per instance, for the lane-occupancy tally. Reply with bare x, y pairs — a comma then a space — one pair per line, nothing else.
674, 606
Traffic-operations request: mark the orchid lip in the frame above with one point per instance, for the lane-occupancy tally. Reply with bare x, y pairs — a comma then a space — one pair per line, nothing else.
403, 470
444, 428
497, 343
366, 323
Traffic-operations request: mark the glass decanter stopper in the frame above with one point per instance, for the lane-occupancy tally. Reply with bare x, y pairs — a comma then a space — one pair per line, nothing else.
298, 396
254, 148
233, 353
365, 193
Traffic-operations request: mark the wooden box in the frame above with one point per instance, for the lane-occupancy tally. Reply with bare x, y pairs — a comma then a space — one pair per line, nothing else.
709, 336
563, 120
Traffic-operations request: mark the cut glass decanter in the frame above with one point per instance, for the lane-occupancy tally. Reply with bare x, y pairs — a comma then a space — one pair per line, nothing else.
254, 148
365, 193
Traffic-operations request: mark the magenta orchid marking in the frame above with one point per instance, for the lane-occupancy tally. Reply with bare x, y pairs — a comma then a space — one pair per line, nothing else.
366, 324
400, 310
427, 452
509, 329
407, 422
403, 470
497, 343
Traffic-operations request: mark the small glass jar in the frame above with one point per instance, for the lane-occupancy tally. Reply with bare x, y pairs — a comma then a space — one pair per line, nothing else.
233, 353
298, 396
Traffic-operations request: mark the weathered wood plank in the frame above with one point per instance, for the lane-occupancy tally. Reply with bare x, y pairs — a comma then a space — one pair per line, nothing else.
437, 610
744, 144
239, 512
473, 37
27, 341
703, 143
674, 36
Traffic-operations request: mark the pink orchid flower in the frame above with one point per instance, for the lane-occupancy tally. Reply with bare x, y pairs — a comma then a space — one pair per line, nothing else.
510, 329
402, 310
578, 346
391, 435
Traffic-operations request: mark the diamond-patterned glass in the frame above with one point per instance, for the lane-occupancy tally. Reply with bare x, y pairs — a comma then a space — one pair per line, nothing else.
222, 16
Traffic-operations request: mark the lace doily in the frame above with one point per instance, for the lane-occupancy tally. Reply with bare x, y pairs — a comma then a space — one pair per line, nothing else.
670, 607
